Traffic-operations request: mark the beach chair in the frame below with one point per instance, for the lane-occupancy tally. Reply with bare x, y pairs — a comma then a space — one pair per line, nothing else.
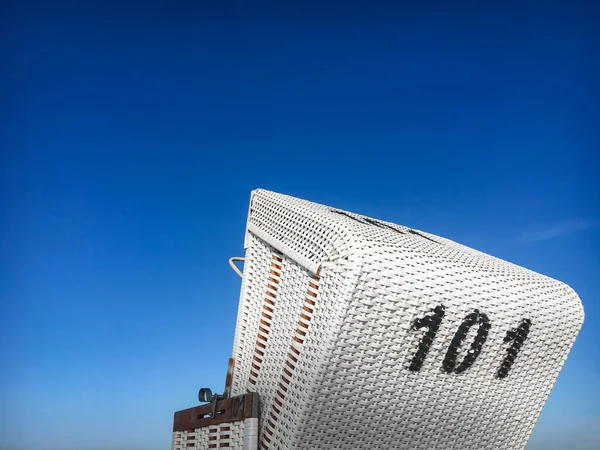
355, 333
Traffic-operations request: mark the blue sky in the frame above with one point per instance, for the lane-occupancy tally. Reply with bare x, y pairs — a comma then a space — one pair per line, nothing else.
132, 136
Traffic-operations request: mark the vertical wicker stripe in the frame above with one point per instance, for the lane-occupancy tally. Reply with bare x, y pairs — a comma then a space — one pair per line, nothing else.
266, 317
291, 360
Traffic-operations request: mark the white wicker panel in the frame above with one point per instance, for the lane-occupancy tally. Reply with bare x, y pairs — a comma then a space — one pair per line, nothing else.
313, 361
234, 435
353, 381
252, 298
287, 312
368, 397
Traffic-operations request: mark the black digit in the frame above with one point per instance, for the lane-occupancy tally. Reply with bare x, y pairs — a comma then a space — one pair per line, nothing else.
517, 336
432, 323
475, 317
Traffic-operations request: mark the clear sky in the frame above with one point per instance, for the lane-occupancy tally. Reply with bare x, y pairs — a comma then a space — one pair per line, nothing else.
132, 134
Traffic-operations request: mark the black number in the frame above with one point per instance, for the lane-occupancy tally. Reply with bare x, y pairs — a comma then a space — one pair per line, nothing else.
517, 336
432, 323
475, 317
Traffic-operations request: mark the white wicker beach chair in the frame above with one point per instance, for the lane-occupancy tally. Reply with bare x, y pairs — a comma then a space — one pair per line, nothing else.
363, 334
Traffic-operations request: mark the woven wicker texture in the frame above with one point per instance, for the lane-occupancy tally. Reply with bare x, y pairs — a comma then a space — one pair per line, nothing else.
241, 435
362, 334
228, 435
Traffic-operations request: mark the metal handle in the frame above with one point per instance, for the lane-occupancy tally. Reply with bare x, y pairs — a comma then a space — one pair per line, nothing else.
234, 267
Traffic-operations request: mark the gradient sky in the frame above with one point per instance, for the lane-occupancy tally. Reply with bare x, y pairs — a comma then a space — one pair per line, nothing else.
132, 134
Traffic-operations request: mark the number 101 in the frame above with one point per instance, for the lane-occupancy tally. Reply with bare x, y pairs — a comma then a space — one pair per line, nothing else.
431, 323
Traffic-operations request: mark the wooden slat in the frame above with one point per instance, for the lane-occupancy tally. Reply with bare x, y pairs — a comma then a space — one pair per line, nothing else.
233, 409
